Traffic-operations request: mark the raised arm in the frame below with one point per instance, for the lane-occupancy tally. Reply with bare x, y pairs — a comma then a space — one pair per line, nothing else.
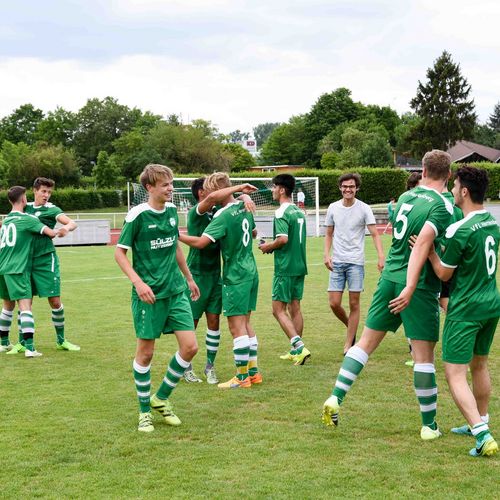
221, 194
49, 232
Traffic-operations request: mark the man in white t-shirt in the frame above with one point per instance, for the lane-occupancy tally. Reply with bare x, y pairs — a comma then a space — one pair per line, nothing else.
301, 198
346, 220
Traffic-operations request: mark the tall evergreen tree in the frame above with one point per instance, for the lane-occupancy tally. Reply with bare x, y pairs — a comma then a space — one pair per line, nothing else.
443, 105
494, 121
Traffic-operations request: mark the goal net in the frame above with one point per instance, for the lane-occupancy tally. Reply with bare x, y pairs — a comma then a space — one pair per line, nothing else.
184, 200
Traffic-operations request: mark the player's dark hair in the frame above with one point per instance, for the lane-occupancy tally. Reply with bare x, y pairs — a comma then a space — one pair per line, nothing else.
196, 185
286, 181
43, 181
350, 176
437, 164
413, 180
15, 193
475, 180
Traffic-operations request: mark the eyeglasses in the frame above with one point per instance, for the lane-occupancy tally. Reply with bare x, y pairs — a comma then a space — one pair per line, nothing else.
352, 186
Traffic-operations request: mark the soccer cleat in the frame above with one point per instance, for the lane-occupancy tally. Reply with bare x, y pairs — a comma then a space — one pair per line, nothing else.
6, 348
410, 363
428, 434
331, 412
211, 376
164, 407
255, 379
32, 354
17, 348
236, 383
484, 447
300, 358
191, 377
67, 346
288, 356
145, 422
464, 430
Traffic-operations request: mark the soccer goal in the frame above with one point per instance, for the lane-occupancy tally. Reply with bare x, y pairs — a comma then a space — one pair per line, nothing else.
263, 199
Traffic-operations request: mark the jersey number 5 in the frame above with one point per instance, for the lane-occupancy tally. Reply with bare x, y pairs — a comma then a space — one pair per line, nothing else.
405, 209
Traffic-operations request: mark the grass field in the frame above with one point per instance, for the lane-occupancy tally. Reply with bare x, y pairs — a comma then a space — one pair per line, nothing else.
69, 419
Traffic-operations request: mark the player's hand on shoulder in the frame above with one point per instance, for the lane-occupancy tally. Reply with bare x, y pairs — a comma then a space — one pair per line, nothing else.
248, 203
247, 188
412, 240
144, 292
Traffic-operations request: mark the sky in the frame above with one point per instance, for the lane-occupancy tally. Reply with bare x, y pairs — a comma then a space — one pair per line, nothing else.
240, 63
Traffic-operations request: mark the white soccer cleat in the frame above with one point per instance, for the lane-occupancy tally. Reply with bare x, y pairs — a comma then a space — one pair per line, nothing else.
32, 354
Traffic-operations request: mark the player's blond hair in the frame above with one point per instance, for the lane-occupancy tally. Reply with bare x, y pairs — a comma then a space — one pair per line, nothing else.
153, 172
215, 181
437, 163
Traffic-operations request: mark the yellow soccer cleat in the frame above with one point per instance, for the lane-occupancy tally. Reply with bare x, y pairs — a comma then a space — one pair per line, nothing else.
145, 422
236, 383
330, 415
428, 434
164, 407
301, 357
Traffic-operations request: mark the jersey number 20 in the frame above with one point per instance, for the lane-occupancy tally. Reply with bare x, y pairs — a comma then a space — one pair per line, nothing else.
8, 235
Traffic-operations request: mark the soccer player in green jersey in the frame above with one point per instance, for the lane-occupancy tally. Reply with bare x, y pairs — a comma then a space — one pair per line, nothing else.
205, 267
470, 256
233, 227
290, 267
45, 272
16, 253
159, 302
425, 212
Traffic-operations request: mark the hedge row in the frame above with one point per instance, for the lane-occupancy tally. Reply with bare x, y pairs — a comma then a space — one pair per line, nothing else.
378, 185
75, 199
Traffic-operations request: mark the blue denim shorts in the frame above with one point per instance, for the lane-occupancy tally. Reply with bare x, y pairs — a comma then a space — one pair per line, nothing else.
354, 274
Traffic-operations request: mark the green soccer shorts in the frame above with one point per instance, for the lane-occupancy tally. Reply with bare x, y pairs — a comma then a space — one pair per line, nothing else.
46, 276
240, 299
288, 288
420, 319
210, 300
464, 339
172, 314
15, 286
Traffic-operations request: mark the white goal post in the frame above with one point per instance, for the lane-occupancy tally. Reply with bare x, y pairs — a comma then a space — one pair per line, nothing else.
184, 200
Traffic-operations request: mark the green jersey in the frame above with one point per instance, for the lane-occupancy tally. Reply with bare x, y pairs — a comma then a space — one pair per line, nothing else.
232, 227
414, 209
290, 259
47, 214
457, 215
207, 260
472, 248
16, 242
152, 235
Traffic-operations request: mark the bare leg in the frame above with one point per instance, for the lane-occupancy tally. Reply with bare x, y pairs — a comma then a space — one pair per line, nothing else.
296, 315
353, 322
285, 322
335, 301
481, 383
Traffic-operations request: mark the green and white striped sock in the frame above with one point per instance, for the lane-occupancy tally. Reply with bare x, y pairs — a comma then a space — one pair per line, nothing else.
424, 380
28, 329
142, 379
58, 322
5, 322
212, 341
175, 370
354, 361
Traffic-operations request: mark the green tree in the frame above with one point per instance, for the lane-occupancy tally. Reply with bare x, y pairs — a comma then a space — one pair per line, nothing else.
58, 127
286, 145
485, 135
105, 171
443, 105
494, 120
21, 125
329, 111
242, 159
99, 124
24, 163
237, 136
262, 131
